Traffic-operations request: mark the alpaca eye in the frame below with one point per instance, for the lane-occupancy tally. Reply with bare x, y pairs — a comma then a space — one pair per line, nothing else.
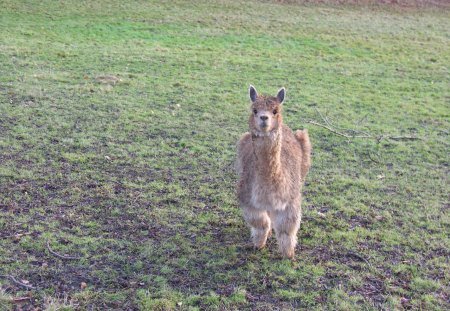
255, 111
275, 111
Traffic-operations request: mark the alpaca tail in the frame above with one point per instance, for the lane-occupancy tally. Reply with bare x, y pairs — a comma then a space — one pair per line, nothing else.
303, 138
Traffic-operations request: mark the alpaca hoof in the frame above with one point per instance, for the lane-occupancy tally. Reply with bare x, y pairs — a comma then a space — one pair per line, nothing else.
259, 237
259, 243
259, 246
286, 244
289, 254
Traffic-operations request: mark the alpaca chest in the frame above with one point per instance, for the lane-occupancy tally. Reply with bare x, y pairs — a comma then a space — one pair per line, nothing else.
268, 195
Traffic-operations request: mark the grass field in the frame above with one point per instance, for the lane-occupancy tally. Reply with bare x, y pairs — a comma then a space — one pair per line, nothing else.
118, 124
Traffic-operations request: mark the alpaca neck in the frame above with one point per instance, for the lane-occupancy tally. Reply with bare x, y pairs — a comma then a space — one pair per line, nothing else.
267, 150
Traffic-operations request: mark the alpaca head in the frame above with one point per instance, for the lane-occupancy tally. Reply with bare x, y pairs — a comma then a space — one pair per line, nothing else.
265, 112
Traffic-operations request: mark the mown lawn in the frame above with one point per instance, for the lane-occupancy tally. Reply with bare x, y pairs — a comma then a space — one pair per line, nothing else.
118, 124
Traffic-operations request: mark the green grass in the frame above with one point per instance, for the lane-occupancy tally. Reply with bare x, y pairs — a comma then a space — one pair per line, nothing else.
136, 176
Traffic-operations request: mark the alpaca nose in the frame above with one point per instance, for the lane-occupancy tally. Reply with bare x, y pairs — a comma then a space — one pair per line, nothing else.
264, 118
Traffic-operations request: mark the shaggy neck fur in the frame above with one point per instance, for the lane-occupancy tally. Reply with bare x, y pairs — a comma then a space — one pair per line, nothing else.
267, 149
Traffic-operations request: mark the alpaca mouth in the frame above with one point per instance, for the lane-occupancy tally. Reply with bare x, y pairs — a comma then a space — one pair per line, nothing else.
264, 126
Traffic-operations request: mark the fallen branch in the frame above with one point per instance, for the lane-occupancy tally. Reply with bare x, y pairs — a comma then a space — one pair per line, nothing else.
358, 256
340, 129
19, 300
365, 135
339, 133
401, 137
60, 256
373, 160
17, 235
17, 282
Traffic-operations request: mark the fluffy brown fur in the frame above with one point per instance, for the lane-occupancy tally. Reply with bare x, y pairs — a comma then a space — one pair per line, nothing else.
273, 162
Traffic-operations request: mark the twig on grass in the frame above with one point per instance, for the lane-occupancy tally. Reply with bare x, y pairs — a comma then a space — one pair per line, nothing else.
339, 133
329, 123
60, 256
400, 137
372, 159
20, 300
17, 235
8, 276
356, 255
356, 134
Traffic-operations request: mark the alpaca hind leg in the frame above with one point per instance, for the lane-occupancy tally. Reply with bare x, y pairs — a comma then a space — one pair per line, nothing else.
259, 222
286, 224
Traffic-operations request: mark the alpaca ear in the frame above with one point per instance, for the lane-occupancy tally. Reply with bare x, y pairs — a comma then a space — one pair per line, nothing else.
252, 92
280, 95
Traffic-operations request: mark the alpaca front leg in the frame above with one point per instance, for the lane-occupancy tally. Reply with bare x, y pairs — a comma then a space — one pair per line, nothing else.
286, 224
259, 223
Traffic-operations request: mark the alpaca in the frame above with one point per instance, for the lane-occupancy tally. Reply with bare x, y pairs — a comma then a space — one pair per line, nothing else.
273, 162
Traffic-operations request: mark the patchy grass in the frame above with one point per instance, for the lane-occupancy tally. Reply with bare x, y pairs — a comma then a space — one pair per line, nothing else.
118, 126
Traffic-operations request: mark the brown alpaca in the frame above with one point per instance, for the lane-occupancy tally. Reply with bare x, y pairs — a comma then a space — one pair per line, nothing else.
272, 163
